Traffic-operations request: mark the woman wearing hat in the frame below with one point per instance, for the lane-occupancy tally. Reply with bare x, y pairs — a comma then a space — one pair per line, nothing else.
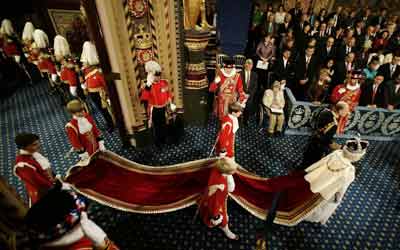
31, 167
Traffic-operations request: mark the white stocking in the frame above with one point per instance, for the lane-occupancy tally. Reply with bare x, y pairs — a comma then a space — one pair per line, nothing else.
229, 233
92, 231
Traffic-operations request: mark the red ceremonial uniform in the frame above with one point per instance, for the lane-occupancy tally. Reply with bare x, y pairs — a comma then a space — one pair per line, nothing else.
158, 95
94, 79
69, 76
88, 141
213, 203
10, 48
350, 96
230, 90
35, 177
226, 136
45, 64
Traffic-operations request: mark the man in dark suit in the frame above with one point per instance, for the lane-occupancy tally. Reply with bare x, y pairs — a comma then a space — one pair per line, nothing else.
389, 70
380, 19
374, 94
283, 68
326, 51
343, 68
344, 50
337, 16
296, 12
250, 87
305, 70
394, 93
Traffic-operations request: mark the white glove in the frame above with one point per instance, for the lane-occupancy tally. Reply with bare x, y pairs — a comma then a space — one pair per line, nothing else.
172, 107
92, 230
217, 79
83, 85
217, 221
54, 77
84, 156
222, 154
101, 146
17, 58
72, 90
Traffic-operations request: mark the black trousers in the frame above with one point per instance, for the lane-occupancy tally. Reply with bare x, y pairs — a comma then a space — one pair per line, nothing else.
96, 98
160, 125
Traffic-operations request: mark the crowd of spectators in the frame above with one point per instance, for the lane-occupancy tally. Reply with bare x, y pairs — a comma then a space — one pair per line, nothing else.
313, 53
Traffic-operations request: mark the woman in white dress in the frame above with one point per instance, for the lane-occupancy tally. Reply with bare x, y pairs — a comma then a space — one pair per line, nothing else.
331, 177
280, 15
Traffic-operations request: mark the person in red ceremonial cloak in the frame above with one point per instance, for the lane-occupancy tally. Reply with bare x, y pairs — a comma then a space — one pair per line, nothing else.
213, 203
159, 98
228, 88
350, 93
82, 131
225, 146
59, 221
94, 82
31, 167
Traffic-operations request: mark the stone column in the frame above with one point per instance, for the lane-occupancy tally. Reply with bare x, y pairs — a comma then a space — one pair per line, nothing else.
196, 83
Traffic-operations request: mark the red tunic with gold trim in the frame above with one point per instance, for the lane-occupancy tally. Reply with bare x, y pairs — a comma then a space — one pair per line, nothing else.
226, 136
214, 200
83, 142
94, 79
229, 90
46, 64
350, 95
36, 179
69, 76
158, 95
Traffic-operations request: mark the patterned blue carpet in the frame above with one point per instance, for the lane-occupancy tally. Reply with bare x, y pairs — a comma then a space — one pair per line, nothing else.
368, 218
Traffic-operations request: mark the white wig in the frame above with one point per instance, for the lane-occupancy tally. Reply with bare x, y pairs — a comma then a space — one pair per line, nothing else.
152, 67
27, 33
41, 39
61, 46
89, 54
6, 27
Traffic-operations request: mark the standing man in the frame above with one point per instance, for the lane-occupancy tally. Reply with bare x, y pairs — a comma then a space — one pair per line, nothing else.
228, 87
374, 94
394, 93
158, 97
95, 83
82, 131
250, 87
392, 69
322, 142
305, 71
31, 167
225, 146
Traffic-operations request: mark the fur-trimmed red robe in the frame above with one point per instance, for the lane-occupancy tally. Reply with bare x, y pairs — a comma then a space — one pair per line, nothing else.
35, 176
226, 136
89, 141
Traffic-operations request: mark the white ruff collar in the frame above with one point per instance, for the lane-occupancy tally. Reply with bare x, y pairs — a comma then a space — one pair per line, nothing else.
84, 125
352, 88
235, 123
233, 72
43, 161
